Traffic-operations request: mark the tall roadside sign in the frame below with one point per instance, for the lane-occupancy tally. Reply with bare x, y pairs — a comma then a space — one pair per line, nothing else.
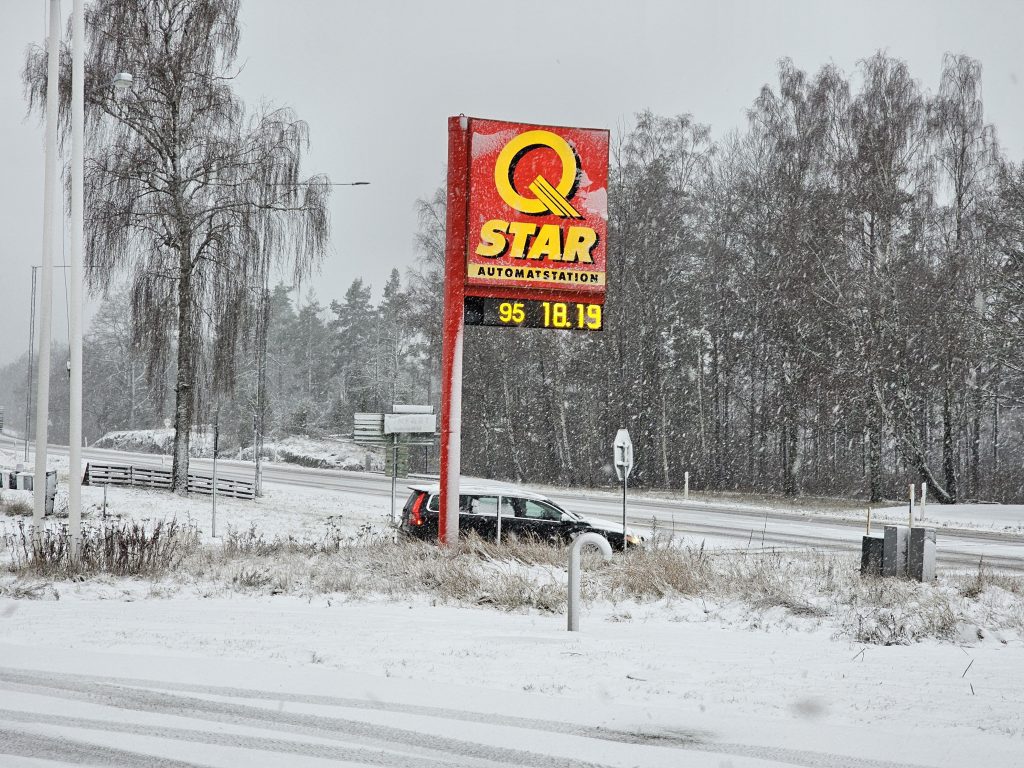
526, 247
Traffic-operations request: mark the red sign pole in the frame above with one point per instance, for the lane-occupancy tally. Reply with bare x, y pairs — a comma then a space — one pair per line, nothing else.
452, 328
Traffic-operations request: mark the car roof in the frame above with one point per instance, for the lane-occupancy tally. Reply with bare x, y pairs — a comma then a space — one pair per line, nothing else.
484, 489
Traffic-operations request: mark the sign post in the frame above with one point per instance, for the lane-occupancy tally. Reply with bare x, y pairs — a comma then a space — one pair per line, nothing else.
525, 247
452, 328
623, 450
407, 420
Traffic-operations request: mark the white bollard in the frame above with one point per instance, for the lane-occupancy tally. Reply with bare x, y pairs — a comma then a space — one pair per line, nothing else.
924, 498
592, 539
686, 486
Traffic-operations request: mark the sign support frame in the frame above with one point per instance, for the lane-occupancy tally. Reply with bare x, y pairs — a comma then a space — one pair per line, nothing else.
453, 328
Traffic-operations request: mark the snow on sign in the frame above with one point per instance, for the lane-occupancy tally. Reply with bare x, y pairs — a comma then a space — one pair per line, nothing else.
536, 225
409, 423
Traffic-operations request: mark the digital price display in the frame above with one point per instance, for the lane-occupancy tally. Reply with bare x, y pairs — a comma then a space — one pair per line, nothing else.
520, 313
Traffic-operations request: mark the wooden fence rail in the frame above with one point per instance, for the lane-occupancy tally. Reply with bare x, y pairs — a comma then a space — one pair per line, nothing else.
151, 477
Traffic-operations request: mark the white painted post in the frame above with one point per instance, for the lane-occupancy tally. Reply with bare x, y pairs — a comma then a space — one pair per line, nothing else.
593, 539
50, 189
622, 450
216, 440
256, 457
394, 474
924, 498
31, 361
498, 535
869, 522
686, 486
77, 236
911, 517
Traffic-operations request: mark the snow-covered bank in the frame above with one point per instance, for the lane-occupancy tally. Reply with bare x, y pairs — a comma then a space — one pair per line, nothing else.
321, 453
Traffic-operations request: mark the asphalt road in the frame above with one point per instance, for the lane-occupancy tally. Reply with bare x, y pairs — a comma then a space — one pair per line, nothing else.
719, 524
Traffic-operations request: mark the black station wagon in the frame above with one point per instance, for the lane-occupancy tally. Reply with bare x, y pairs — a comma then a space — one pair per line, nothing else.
497, 511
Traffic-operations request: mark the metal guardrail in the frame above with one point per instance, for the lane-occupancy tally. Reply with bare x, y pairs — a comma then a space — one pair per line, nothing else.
151, 477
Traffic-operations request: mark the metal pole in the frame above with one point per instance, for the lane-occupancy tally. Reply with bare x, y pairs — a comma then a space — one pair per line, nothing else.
256, 457
31, 358
216, 441
261, 386
452, 328
77, 236
497, 538
50, 188
625, 479
394, 472
593, 539
911, 516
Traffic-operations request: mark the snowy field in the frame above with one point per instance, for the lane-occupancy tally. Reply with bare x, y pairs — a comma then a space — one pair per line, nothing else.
125, 671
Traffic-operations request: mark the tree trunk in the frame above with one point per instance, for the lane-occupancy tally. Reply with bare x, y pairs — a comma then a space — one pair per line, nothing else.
975, 474
185, 379
949, 445
790, 434
666, 473
997, 485
875, 420
716, 415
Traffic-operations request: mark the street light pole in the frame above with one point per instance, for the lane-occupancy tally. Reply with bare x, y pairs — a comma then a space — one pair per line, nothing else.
50, 188
77, 236
31, 350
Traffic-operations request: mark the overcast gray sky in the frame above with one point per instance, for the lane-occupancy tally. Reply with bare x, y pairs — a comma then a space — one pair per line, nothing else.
376, 80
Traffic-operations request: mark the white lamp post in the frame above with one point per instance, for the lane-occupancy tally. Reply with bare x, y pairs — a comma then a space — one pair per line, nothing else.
46, 287
77, 234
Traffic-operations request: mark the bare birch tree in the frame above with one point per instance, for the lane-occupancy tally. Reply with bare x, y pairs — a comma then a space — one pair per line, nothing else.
187, 194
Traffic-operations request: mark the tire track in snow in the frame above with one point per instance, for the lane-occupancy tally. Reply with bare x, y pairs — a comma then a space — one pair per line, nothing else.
278, 746
60, 751
139, 695
442, 750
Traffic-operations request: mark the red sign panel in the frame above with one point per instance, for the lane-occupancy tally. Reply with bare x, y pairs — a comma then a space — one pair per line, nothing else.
537, 216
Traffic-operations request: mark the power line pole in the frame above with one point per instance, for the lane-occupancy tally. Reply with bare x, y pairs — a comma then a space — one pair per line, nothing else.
50, 189
77, 233
31, 360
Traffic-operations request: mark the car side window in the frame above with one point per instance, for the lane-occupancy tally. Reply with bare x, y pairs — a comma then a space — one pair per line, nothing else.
538, 510
479, 505
433, 504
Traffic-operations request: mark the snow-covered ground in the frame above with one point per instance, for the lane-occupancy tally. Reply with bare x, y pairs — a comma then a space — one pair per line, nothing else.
284, 680
129, 671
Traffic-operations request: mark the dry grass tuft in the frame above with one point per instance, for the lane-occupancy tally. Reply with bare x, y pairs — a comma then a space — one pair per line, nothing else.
121, 548
774, 587
661, 572
15, 507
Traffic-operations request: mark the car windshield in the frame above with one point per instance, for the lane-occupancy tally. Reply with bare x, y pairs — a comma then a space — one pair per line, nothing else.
574, 515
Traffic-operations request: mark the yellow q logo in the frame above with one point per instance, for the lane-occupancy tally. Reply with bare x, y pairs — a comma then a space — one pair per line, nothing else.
547, 198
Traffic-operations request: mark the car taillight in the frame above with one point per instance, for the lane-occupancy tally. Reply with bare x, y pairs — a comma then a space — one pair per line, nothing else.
415, 518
